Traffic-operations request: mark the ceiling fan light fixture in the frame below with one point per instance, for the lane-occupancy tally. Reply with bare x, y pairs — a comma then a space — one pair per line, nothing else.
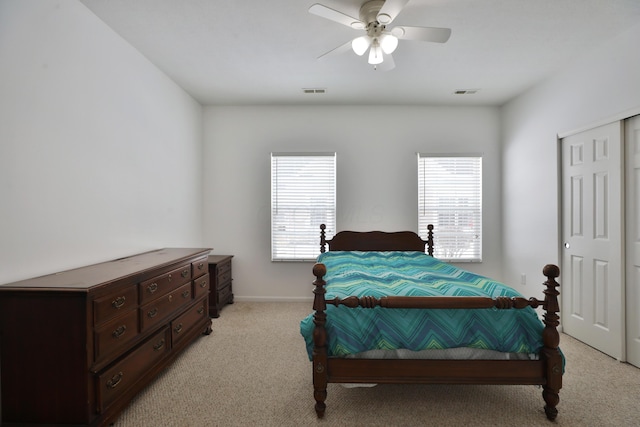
375, 18
361, 44
375, 54
397, 31
388, 43
384, 18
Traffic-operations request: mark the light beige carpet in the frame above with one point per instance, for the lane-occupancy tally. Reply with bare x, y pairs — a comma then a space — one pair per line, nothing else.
253, 370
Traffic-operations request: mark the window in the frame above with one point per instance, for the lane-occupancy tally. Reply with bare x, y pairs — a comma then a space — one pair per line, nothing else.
303, 196
450, 198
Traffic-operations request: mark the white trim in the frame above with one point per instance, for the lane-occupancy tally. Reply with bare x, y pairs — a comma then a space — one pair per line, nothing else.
273, 299
303, 153
623, 115
465, 154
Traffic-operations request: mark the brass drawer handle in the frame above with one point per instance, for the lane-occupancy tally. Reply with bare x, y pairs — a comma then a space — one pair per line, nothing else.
184, 273
120, 331
201, 266
152, 313
115, 380
200, 310
118, 302
186, 294
152, 287
158, 345
178, 328
203, 284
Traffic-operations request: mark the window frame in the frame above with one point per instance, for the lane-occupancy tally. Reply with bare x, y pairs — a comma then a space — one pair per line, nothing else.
304, 220
458, 218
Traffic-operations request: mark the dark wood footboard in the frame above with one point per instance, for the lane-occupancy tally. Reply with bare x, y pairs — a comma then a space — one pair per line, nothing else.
547, 371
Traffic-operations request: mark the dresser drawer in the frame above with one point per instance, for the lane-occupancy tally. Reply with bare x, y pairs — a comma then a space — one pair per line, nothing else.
116, 380
115, 335
200, 286
114, 304
199, 267
153, 288
186, 321
157, 310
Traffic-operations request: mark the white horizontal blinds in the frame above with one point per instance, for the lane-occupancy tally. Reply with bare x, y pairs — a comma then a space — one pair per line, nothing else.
450, 198
303, 196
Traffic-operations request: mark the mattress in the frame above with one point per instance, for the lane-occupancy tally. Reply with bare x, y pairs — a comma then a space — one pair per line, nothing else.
353, 331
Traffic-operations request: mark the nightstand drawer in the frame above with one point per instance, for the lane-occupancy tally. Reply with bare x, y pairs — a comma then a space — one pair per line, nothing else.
224, 293
224, 268
224, 279
153, 288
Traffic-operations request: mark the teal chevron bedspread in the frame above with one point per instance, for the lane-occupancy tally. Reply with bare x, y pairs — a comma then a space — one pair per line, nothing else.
354, 330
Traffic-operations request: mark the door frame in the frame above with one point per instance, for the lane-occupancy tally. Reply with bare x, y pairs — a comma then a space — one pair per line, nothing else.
620, 119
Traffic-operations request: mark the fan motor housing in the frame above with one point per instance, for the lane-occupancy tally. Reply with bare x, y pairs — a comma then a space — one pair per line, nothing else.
369, 11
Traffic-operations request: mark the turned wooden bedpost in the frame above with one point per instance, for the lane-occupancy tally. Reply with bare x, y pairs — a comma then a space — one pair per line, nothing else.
323, 241
551, 340
319, 340
430, 239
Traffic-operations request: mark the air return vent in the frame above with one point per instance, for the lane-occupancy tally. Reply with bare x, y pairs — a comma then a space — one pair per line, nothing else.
465, 91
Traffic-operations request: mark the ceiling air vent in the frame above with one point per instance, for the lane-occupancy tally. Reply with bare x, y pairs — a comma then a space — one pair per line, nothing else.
465, 91
314, 90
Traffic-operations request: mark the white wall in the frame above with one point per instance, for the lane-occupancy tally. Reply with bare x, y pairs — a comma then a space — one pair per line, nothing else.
600, 85
377, 177
100, 152
100, 156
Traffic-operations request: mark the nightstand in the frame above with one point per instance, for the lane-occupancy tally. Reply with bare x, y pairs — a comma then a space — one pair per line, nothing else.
221, 283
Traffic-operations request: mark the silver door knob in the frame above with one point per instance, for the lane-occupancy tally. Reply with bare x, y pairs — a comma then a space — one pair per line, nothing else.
567, 245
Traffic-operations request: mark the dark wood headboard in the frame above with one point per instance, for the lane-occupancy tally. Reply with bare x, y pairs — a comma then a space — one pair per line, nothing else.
376, 241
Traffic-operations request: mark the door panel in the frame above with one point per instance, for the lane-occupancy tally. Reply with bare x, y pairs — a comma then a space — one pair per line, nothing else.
592, 278
632, 148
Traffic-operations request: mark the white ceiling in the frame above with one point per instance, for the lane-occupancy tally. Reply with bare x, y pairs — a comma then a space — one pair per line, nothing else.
265, 51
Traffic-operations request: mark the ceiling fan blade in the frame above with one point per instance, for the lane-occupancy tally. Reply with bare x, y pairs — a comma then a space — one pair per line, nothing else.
390, 9
338, 50
427, 34
388, 64
336, 16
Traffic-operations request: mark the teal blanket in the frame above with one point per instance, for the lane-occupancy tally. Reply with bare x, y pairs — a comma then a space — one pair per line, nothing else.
380, 274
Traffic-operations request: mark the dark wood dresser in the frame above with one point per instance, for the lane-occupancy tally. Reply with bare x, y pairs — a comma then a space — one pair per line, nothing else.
221, 283
76, 346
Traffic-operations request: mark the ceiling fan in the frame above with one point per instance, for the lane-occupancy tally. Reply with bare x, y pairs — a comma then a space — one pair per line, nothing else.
375, 16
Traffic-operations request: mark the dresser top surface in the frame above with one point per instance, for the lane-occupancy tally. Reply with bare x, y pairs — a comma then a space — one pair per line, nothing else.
84, 278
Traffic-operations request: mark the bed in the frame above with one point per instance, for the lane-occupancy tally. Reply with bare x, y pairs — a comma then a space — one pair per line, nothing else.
537, 359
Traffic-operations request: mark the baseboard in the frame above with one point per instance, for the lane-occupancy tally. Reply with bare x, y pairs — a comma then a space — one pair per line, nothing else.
272, 299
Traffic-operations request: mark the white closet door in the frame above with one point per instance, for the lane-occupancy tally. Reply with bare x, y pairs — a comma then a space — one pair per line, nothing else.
592, 214
632, 148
